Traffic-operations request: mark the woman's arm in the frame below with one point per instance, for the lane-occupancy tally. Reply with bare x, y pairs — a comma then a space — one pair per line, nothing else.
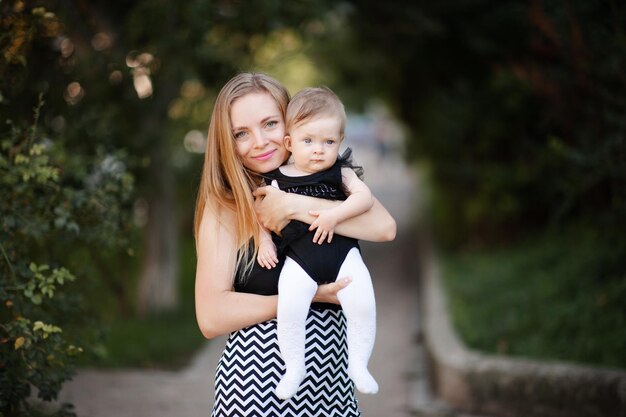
219, 309
275, 208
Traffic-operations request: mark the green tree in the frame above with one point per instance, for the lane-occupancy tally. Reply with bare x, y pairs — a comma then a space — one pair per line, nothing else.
517, 107
52, 201
56, 199
138, 75
122, 83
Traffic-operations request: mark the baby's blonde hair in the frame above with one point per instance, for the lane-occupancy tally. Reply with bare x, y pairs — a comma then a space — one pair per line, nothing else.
314, 102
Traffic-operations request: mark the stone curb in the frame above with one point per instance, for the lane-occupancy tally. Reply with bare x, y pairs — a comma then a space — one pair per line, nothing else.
510, 387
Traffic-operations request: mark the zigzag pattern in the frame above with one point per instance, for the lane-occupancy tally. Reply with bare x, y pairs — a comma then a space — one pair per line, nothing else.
251, 367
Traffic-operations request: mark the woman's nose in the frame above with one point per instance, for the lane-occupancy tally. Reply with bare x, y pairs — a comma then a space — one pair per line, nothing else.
260, 139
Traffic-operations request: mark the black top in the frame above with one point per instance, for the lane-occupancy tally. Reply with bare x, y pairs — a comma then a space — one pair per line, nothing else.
260, 280
265, 282
325, 184
321, 262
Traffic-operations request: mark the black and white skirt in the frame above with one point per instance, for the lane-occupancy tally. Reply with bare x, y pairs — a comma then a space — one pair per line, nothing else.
251, 366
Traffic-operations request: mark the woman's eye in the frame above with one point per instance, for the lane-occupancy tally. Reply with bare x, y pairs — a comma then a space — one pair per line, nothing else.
240, 135
271, 123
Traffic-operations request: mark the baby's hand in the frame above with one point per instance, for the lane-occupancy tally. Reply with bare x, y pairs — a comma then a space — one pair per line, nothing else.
325, 224
267, 256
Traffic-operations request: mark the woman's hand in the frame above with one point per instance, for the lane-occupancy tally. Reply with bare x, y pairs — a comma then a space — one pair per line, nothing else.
272, 208
327, 293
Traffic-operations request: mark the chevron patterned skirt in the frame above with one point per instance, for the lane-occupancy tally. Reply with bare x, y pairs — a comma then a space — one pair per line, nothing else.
251, 366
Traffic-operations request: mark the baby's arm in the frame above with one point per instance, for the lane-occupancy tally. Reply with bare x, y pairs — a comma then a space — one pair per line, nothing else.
267, 256
359, 201
275, 208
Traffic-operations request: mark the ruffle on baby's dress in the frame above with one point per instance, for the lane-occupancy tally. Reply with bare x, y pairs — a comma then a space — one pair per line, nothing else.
345, 160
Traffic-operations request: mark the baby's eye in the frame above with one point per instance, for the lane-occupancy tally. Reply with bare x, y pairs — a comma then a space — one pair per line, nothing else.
330, 142
307, 140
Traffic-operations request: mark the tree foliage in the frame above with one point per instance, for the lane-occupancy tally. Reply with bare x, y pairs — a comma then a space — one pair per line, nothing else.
517, 107
48, 210
138, 76
56, 201
123, 82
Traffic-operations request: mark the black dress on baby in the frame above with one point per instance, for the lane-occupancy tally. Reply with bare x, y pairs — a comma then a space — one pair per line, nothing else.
321, 262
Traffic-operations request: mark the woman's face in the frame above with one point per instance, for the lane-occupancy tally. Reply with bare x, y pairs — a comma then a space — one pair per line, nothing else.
259, 129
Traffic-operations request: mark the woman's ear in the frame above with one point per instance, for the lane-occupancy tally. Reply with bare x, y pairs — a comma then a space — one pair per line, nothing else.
287, 142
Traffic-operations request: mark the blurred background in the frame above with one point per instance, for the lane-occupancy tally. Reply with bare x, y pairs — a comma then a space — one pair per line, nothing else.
512, 113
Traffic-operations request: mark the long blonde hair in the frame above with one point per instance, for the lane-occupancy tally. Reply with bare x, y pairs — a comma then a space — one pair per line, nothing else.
224, 178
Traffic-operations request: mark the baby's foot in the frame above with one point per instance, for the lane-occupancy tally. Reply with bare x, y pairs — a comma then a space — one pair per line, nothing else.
363, 380
288, 386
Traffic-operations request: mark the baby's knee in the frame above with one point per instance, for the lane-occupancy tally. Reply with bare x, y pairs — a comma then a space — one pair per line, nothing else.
362, 308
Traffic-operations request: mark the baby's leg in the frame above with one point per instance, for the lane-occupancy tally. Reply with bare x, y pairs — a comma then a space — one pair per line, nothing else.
295, 292
359, 306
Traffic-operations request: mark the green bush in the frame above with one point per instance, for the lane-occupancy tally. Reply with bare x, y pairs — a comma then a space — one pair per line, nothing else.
166, 340
53, 202
517, 107
553, 296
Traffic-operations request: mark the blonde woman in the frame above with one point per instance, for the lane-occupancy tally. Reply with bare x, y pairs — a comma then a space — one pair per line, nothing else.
233, 293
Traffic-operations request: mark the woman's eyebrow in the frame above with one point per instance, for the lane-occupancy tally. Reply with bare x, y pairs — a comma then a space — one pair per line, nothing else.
275, 116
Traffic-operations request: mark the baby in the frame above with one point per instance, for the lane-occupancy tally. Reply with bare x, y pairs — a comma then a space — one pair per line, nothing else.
315, 124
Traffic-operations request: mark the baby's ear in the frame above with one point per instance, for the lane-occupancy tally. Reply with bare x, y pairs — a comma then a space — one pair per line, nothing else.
287, 142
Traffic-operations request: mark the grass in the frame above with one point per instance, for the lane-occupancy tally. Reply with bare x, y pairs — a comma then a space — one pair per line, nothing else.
165, 341
555, 296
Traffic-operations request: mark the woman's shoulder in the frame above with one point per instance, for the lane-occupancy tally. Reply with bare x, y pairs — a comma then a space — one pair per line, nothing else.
216, 216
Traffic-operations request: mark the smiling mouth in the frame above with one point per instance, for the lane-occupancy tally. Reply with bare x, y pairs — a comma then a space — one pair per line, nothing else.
265, 156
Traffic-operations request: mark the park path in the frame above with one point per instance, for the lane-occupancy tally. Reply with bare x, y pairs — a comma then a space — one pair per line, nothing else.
397, 361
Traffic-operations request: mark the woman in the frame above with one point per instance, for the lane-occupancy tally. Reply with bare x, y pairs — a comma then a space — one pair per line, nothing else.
233, 293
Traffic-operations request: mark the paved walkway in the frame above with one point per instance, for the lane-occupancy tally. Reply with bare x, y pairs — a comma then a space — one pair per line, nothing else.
397, 362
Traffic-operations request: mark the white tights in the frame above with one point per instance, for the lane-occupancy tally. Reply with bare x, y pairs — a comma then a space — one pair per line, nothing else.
296, 290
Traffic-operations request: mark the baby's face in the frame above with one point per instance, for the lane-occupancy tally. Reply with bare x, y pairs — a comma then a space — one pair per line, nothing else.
314, 144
